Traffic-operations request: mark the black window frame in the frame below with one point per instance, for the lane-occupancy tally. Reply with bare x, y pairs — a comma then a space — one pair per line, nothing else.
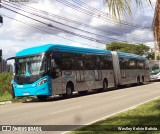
67, 61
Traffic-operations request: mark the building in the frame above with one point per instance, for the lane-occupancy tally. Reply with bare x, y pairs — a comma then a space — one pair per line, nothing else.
9, 68
4, 67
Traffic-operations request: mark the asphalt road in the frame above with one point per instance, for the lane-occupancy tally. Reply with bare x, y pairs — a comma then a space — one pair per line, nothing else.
79, 110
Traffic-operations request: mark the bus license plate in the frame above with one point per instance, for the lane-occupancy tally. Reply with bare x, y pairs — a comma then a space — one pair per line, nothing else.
25, 93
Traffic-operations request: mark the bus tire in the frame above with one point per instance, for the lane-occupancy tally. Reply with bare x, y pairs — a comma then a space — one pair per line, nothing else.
69, 92
138, 81
105, 85
13, 94
42, 98
142, 80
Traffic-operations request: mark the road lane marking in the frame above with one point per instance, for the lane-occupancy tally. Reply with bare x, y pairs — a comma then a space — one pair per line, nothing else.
103, 118
65, 110
124, 110
122, 96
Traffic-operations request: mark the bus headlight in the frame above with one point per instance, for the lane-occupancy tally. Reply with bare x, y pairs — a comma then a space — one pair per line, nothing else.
14, 85
42, 81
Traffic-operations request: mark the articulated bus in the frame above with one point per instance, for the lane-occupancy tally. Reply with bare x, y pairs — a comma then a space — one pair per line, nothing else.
54, 69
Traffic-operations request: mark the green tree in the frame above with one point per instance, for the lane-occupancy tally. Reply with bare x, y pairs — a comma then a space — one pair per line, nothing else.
122, 7
5, 83
139, 49
150, 55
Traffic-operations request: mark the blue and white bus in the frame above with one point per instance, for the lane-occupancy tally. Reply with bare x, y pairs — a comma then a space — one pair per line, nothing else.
155, 70
130, 68
54, 69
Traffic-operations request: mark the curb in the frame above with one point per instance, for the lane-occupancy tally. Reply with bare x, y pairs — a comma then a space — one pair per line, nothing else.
10, 102
5, 102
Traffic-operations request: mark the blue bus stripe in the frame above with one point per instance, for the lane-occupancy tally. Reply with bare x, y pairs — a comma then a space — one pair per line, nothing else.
44, 48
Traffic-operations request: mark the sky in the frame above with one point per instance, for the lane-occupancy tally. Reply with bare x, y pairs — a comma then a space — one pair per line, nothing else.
99, 25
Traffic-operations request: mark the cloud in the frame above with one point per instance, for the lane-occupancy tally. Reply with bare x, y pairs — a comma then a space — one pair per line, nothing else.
141, 17
10, 48
19, 36
150, 44
49, 6
56, 8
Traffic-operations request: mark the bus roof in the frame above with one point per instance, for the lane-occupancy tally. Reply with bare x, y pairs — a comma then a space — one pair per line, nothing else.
129, 55
63, 48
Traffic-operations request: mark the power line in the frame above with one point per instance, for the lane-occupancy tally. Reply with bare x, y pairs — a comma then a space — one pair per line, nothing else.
101, 13
62, 18
115, 32
59, 17
63, 30
85, 11
90, 13
67, 25
24, 23
60, 29
95, 10
66, 31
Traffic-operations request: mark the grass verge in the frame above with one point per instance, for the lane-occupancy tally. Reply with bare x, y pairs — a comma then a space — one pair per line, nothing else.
142, 119
6, 97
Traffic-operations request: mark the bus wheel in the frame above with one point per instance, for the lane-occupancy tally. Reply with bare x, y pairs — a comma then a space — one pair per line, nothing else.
69, 92
13, 94
105, 85
138, 81
42, 98
142, 80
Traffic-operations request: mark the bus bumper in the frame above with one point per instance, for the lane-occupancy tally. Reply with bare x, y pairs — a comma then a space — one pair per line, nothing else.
33, 90
153, 78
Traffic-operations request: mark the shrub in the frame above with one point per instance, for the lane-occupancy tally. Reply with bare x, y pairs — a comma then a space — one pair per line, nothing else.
5, 83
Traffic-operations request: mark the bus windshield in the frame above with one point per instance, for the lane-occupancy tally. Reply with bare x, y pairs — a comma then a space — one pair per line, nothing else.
28, 66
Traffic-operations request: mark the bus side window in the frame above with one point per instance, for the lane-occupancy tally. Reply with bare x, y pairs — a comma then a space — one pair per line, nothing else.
53, 64
127, 63
81, 63
97, 60
78, 62
122, 63
104, 62
109, 62
141, 64
88, 62
132, 64
55, 67
147, 67
67, 61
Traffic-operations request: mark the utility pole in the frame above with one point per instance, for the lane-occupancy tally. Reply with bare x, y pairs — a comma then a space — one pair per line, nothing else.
155, 51
1, 18
0, 55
